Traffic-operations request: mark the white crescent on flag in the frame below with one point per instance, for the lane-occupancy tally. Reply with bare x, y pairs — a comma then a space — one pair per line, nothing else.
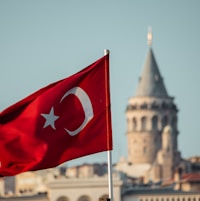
86, 104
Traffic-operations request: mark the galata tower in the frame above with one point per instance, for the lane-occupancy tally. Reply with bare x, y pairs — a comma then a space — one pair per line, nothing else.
149, 111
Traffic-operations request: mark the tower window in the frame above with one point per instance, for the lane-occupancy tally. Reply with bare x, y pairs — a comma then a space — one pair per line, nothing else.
164, 121
155, 123
164, 105
154, 105
143, 106
134, 124
144, 123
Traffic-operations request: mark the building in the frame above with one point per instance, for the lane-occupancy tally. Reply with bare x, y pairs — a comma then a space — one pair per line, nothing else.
83, 188
40, 197
152, 131
160, 195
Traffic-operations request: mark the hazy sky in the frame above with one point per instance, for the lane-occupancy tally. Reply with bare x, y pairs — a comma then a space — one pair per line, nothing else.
42, 41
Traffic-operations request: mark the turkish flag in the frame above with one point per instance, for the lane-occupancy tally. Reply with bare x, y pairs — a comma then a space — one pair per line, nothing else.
65, 120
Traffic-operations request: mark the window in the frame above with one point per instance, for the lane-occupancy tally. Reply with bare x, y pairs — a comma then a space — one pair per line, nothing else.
134, 124
144, 123
143, 106
164, 121
154, 123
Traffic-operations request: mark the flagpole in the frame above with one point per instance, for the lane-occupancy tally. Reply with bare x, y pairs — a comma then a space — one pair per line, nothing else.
109, 155
110, 182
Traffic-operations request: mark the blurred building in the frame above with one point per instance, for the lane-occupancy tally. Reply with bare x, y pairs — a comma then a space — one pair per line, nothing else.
152, 131
87, 170
84, 183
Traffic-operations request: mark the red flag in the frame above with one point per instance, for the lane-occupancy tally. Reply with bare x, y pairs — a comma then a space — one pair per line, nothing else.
62, 121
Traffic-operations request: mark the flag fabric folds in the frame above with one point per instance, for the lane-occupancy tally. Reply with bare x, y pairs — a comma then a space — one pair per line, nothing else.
65, 120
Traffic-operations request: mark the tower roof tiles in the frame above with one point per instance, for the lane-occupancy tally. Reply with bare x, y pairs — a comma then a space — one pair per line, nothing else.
151, 82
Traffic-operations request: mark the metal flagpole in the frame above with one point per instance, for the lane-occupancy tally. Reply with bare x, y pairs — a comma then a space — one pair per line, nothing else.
110, 182
109, 154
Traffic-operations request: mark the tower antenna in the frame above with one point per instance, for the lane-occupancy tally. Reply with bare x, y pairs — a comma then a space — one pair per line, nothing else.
149, 36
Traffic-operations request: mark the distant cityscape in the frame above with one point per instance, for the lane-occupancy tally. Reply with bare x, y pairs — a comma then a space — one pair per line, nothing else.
153, 171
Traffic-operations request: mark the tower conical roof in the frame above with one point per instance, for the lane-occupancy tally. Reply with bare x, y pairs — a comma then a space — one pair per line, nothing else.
151, 82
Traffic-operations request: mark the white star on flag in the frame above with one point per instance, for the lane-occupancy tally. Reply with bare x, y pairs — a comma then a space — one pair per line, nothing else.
50, 119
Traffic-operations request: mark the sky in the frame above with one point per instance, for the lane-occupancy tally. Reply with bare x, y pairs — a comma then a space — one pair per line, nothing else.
42, 41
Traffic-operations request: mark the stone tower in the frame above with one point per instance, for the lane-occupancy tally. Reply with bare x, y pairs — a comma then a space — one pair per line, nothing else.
149, 111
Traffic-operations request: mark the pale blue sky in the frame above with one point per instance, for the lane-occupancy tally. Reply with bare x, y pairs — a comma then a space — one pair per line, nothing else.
42, 41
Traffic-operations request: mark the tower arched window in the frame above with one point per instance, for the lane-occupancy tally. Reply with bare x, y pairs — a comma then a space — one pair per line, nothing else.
154, 123
164, 121
134, 124
143, 123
